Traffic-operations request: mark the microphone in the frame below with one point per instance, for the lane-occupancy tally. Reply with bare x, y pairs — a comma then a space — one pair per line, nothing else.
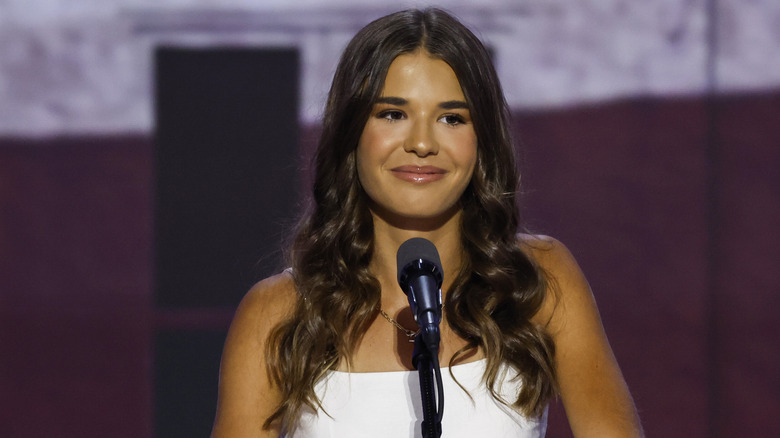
420, 276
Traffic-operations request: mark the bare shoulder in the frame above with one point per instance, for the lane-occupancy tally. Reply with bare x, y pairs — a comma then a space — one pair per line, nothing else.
549, 254
246, 396
594, 393
268, 300
262, 308
566, 283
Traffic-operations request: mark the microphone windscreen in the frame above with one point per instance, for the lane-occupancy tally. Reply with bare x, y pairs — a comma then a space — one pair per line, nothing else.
415, 249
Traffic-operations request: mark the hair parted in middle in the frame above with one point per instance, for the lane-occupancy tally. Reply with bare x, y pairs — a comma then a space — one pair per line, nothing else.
497, 290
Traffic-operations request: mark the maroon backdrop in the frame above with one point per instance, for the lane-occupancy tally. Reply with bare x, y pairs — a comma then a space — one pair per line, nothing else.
670, 206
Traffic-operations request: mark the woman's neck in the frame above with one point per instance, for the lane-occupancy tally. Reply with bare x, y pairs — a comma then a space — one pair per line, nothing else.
389, 236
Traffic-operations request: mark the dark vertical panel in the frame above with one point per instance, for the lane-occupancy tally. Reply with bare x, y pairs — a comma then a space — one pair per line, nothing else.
185, 380
713, 304
226, 169
226, 145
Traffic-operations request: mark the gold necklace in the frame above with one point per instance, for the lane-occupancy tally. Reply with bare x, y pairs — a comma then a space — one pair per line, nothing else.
409, 333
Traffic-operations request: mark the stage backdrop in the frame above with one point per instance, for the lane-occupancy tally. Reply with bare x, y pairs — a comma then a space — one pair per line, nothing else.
669, 205
139, 199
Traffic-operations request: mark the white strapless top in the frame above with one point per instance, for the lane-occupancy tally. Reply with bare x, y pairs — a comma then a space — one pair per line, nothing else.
387, 404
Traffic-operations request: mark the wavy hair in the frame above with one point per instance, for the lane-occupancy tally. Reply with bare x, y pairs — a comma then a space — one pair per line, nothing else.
498, 289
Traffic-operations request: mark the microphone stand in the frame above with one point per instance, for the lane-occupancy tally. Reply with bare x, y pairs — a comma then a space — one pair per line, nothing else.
420, 278
427, 364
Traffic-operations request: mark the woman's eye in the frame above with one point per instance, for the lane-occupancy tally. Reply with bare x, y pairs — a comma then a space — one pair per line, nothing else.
452, 119
391, 115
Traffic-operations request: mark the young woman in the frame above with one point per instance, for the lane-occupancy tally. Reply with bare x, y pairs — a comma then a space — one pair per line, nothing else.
416, 143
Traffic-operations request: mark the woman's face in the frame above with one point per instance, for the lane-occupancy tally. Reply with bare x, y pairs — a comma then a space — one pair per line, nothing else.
418, 149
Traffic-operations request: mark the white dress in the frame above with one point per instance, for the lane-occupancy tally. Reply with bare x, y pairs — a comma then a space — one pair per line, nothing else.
387, 404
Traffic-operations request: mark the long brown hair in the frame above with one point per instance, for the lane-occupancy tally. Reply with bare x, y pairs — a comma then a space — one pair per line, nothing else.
499, 288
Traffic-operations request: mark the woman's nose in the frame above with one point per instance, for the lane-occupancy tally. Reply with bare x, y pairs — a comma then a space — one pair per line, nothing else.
421, 139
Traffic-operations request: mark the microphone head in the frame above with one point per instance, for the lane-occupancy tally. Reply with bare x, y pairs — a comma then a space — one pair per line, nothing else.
418, 256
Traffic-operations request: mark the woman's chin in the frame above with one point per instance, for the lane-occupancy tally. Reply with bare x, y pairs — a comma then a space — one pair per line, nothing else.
418, 220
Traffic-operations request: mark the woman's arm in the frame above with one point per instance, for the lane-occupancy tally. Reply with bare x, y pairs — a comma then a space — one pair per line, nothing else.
594, 393
246, 397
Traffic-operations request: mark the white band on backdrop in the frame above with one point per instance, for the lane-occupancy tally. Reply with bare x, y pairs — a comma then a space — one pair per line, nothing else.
86, 68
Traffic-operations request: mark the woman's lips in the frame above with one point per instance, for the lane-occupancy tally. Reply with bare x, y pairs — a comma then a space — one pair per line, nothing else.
415, 174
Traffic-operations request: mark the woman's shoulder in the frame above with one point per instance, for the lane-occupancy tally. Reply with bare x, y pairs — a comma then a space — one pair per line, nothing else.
566, 284
246, 396
548, 253
266, 304
270, 299
591, 386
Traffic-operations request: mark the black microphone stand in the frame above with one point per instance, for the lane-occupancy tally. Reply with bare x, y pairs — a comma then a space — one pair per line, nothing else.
420, 277
427, 364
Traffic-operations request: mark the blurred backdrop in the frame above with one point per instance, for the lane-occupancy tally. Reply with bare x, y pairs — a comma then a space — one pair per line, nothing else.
154, 155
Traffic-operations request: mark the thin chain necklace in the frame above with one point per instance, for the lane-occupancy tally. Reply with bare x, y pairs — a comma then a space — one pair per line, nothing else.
409, 333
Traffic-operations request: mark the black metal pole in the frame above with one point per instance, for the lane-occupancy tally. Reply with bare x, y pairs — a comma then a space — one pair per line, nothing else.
421, 358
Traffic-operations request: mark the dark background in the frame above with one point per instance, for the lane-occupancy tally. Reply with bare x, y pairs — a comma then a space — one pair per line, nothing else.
122, 257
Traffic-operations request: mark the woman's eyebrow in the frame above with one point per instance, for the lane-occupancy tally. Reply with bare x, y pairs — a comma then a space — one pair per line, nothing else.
454, 104
398, 101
